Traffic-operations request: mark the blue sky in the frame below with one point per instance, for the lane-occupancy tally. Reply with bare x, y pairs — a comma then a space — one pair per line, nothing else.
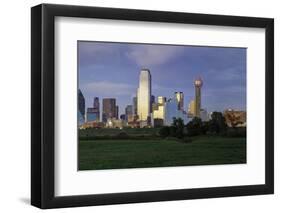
111, 70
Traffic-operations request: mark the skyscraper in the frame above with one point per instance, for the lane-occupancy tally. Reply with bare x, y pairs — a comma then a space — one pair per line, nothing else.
129, 112
135, 105
81, 103
96, 107
180, 99
81, 108
191, 108
116, 112
152, 101
92, 115
108, 108
96, 103
144, 95
171, 112
198, 83
161, 99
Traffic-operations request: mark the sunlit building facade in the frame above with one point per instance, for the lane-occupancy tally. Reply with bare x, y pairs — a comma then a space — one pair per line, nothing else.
144, 96
161, 99
191, 109
235, 118
180, 99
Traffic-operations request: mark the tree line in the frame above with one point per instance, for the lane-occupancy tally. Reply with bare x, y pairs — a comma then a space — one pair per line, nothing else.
215, 126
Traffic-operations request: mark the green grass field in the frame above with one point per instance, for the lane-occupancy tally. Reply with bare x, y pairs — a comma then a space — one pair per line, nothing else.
203, 150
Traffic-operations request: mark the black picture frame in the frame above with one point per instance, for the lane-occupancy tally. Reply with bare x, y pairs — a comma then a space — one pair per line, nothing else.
43, 102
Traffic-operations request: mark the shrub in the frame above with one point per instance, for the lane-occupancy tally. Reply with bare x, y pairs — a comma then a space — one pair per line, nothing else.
172, 131
194, 127
164, 131
236, 132
122, 135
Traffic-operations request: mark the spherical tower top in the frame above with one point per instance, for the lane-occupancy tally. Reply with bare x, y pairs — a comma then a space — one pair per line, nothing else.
198, 82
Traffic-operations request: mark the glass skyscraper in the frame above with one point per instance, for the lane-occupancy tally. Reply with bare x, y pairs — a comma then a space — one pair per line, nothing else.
81, 103
144, 95
81, 108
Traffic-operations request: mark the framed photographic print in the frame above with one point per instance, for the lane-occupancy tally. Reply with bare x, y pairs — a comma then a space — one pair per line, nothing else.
139, 106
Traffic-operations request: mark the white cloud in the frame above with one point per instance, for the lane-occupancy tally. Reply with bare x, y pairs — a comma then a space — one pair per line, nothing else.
148, 55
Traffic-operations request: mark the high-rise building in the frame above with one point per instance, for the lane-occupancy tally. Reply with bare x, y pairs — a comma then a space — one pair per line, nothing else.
96, 108
92, 114
171, 112
135, 105
144, 95
159, 113
108, 109
81, 108
161, 99
116, 112
152, 101
191, 109
81, 103
180, 99
129, 110
198, 83
96, 103
204, 115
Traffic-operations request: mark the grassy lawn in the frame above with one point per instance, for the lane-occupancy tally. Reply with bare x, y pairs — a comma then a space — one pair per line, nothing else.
203, 150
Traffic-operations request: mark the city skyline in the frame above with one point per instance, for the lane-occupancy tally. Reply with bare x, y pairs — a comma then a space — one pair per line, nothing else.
111, 70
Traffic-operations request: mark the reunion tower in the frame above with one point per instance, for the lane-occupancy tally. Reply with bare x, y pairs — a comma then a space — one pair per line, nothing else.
198, 83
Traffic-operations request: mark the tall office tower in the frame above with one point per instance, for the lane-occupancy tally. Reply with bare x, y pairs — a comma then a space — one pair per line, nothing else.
171, 112
180, 99
152, 101
96, 108
129, 113
161, 99
116, 112
92, 115
191, 108
96, 103
129, 110
144, 95
198, 83
81, 103
135, 105
81, 108
108, 108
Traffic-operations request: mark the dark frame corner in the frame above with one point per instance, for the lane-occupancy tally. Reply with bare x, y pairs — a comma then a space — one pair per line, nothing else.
42, 95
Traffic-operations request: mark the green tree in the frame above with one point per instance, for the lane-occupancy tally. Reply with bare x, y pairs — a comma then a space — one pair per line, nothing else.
164, 131
178, 125
194, 127
217, 124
